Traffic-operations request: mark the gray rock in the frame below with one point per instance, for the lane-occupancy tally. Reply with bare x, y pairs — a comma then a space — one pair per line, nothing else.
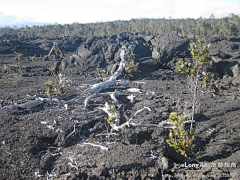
168, 46
235, 71
236, 81
101, 52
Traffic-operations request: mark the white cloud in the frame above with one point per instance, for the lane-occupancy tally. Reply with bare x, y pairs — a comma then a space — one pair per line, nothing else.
68, 11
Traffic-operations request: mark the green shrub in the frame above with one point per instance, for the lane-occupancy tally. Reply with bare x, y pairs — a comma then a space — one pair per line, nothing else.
57, 87
4, 69
32, 58
196, 68
180, 138
49, 87
113, 116
131, 68
18, 56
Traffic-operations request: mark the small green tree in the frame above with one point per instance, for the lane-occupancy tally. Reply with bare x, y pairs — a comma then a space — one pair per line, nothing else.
114, 116
53, 70
196, 69
57, 87
49, 87
180, 138
131, 68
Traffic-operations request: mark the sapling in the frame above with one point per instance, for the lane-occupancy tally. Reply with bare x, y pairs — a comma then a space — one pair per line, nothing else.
32, 58
18, 56
49, 87
180, 138
113, 115
196, 69
131, 68
57, 87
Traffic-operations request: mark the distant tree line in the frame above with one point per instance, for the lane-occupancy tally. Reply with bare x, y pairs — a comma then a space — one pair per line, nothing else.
201, 27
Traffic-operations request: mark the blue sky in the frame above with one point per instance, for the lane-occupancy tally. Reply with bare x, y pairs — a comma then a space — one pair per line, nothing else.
86, 11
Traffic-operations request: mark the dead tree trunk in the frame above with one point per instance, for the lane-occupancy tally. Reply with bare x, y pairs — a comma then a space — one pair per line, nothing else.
112, 79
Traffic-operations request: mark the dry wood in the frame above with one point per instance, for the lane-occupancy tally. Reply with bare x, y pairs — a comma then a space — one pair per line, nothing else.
112, 95
95, 145
22, 107
112, 79
134, 90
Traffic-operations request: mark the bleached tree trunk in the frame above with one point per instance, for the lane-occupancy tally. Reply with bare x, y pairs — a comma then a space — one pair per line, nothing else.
112, 79
22, 107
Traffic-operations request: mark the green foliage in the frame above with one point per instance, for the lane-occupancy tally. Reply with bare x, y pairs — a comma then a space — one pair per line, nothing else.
212, 90
131, 68
196, 69
32, 58
18, 56
49, 87
4, 69
185, 67
58, 87
206, 77
201, 27
180, 138
114, 116
99, 73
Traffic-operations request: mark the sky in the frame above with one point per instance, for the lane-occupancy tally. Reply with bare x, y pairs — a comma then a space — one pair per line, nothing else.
88, 11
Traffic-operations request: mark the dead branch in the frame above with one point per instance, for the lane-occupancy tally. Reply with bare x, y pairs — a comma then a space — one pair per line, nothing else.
134, 90
107, 94
137, 112
96, 145
23, 107
122, 82
127, 124
132, 98
70, 134
87, 81
112, 79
